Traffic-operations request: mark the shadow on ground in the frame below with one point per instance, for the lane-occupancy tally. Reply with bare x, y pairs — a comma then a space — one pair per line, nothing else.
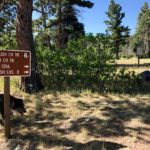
116, 114
61, 142
42, 129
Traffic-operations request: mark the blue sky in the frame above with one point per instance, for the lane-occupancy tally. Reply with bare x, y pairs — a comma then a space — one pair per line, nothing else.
93, 19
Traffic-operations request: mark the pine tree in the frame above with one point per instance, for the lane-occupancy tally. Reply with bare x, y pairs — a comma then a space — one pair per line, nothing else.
142, 35
144, 9
71, 28
65, 23
118, 32
25, 42
69, 24
7, 24
45, 8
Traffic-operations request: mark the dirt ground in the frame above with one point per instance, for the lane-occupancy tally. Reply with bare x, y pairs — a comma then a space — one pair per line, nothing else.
74, 121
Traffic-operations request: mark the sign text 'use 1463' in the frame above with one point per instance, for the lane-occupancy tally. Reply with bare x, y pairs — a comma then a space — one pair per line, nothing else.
15, 63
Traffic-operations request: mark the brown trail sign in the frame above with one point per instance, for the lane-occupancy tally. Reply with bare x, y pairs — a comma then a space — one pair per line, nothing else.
12, 63
15, 63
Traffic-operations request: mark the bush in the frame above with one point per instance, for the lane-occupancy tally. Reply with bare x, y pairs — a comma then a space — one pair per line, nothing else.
83, 63
123, 82
86, 63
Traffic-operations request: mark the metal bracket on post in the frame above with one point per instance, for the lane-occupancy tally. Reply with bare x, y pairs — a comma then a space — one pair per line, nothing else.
7, 107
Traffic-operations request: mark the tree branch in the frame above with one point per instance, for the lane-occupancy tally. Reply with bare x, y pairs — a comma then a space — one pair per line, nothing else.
39, 11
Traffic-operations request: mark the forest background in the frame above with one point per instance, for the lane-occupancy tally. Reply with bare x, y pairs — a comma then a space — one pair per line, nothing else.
64, 56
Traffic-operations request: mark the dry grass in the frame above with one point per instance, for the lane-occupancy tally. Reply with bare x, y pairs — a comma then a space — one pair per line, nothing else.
80, 121
14, 84
86, 121
134, 60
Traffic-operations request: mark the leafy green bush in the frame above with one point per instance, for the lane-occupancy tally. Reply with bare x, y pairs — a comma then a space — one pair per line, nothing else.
123, 82
82, 64
86, 63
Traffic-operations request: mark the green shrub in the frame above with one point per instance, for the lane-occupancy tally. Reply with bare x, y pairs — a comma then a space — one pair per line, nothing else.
123, 82
82, 64
86, 63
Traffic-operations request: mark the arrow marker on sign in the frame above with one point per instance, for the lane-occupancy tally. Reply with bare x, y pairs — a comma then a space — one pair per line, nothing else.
26, 66
15, 63
26, 72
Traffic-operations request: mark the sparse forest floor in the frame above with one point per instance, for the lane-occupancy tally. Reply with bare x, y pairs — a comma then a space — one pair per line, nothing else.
81, 121
133, 60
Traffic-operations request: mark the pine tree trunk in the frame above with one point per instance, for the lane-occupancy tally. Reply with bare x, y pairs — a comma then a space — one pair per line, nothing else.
116, 46
59, 31
25, 42
117, 54
148, 44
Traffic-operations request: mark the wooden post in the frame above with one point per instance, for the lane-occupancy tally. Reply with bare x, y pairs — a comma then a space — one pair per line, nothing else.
138, 61
7, 106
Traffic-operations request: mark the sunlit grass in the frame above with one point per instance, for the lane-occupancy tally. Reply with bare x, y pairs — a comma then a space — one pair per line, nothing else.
80, 117
133, 60
14, 86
